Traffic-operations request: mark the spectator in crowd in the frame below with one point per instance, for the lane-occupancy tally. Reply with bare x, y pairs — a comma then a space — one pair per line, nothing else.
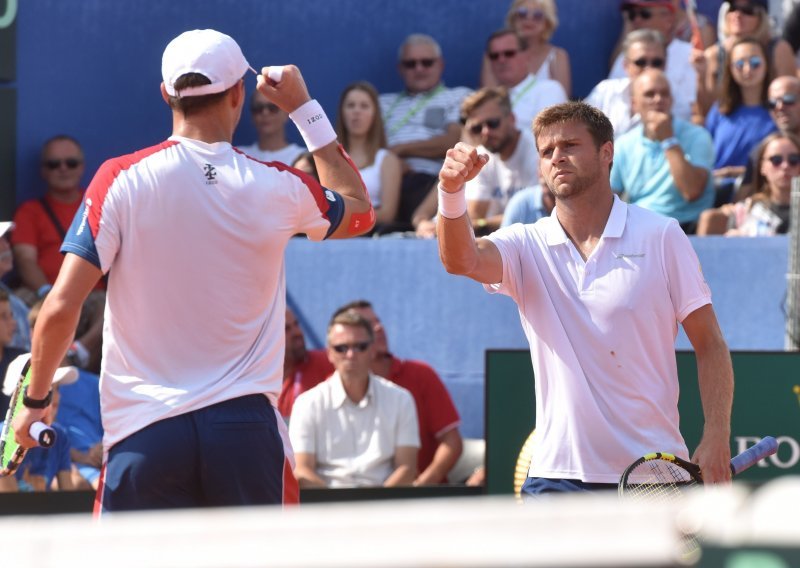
22, 332
513, 160
766, 212
270, 122
355, 429
305, 163
684, 30
528, 94
643, 49
740, 119
421, 121
41, 224
741, 19
535, 21
665, 163
529, 205
302, 369
360, 129
660, 15
440, 440
42, 469
8, 327
791, 29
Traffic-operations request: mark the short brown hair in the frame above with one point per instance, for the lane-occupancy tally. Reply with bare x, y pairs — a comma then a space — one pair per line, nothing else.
192, 105
593, 119
353, 319
522, 43
481, 97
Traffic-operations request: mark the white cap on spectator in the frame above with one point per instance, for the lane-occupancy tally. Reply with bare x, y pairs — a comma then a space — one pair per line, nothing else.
5, 226
207, 52
63, 376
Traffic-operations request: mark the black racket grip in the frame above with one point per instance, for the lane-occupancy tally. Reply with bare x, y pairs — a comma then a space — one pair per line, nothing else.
748, 458
43, 434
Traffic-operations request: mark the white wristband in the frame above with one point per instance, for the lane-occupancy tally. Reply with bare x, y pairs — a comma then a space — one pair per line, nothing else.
452, 205
313, 125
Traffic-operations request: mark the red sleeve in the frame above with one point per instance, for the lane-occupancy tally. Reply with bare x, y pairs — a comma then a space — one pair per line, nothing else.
439, 408
25, 224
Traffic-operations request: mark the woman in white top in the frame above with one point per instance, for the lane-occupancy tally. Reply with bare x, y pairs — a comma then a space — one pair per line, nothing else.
360, 129
535, 21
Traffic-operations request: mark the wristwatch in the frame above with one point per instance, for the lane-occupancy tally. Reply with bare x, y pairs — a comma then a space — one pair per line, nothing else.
36, 402
669, 143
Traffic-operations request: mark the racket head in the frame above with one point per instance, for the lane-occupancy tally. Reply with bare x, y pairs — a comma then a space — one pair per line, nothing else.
11, 453
658, 476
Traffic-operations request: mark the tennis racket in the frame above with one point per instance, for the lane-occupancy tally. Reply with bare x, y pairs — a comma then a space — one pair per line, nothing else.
11, 453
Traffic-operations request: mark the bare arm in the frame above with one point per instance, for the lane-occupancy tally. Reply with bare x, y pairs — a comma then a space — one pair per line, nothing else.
458, 249
447, 453
26, 259
391, 178
305, 470
64, 480
487, 77
560, 71
405, 467
785, 63
706, 79
689, 179
715, 378
434, 148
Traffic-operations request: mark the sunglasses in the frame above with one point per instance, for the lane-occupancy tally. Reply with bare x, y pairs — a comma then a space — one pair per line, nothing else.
655, 63
356, 347
507, 53
754, 61
258, 108
785, 100
490, 123
634, 13
427, 63
746, 9
777, 160
529, 14
70, 163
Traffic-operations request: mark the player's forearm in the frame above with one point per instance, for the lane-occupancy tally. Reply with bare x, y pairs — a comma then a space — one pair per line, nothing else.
715, 378
457, 247
52, 336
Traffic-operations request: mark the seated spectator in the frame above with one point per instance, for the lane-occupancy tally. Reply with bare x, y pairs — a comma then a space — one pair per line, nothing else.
440, 440
660, 15
535, 21
41, 224
355, 429
513, 159
270, 122
421, 121
359, 127
741, 19
766, 212
529, 205
302, 369
43, 469
684, 30
8, 326
791, 30
643, 49
528, 94
740, 119
22, 331
665, 163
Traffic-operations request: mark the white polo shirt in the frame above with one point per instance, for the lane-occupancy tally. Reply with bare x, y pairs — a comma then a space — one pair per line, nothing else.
602, 336
354, 443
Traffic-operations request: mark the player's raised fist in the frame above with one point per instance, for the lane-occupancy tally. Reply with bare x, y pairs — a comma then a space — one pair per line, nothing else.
461, 164
283, 85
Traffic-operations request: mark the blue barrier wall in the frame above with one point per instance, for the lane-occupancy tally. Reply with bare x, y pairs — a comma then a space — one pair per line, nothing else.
91, 68
450, 321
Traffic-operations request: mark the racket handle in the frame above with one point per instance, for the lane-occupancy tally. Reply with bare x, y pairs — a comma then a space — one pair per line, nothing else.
748, 458
43, 434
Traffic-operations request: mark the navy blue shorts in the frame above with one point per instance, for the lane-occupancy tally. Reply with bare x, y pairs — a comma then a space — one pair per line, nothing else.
538, 487
227, 454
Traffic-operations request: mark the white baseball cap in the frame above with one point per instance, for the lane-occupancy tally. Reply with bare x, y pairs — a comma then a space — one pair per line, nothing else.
5, 226
63, 376
207, 52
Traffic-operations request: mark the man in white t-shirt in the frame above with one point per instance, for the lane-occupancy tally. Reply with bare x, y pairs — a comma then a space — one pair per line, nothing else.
193, 233
270, 122
600, 286
355, 429
514, 164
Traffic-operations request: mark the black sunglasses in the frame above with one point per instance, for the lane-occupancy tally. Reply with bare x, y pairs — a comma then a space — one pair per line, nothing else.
655, 63
426, 62
643, 13
777, 160
746, 9
490, 123
507, 53
70, 163
258, 108
357, 347
785, 100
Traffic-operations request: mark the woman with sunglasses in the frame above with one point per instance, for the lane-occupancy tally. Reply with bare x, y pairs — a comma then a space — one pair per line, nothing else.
360, 129
740, 119
767, 211
740, 19
535, 21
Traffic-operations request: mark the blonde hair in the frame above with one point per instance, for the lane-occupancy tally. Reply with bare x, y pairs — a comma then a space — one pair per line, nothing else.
763, 31
550, 15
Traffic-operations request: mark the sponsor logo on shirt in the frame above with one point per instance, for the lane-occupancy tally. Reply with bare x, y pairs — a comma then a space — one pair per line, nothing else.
211, 174
84, 216
329, 195
628, 255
